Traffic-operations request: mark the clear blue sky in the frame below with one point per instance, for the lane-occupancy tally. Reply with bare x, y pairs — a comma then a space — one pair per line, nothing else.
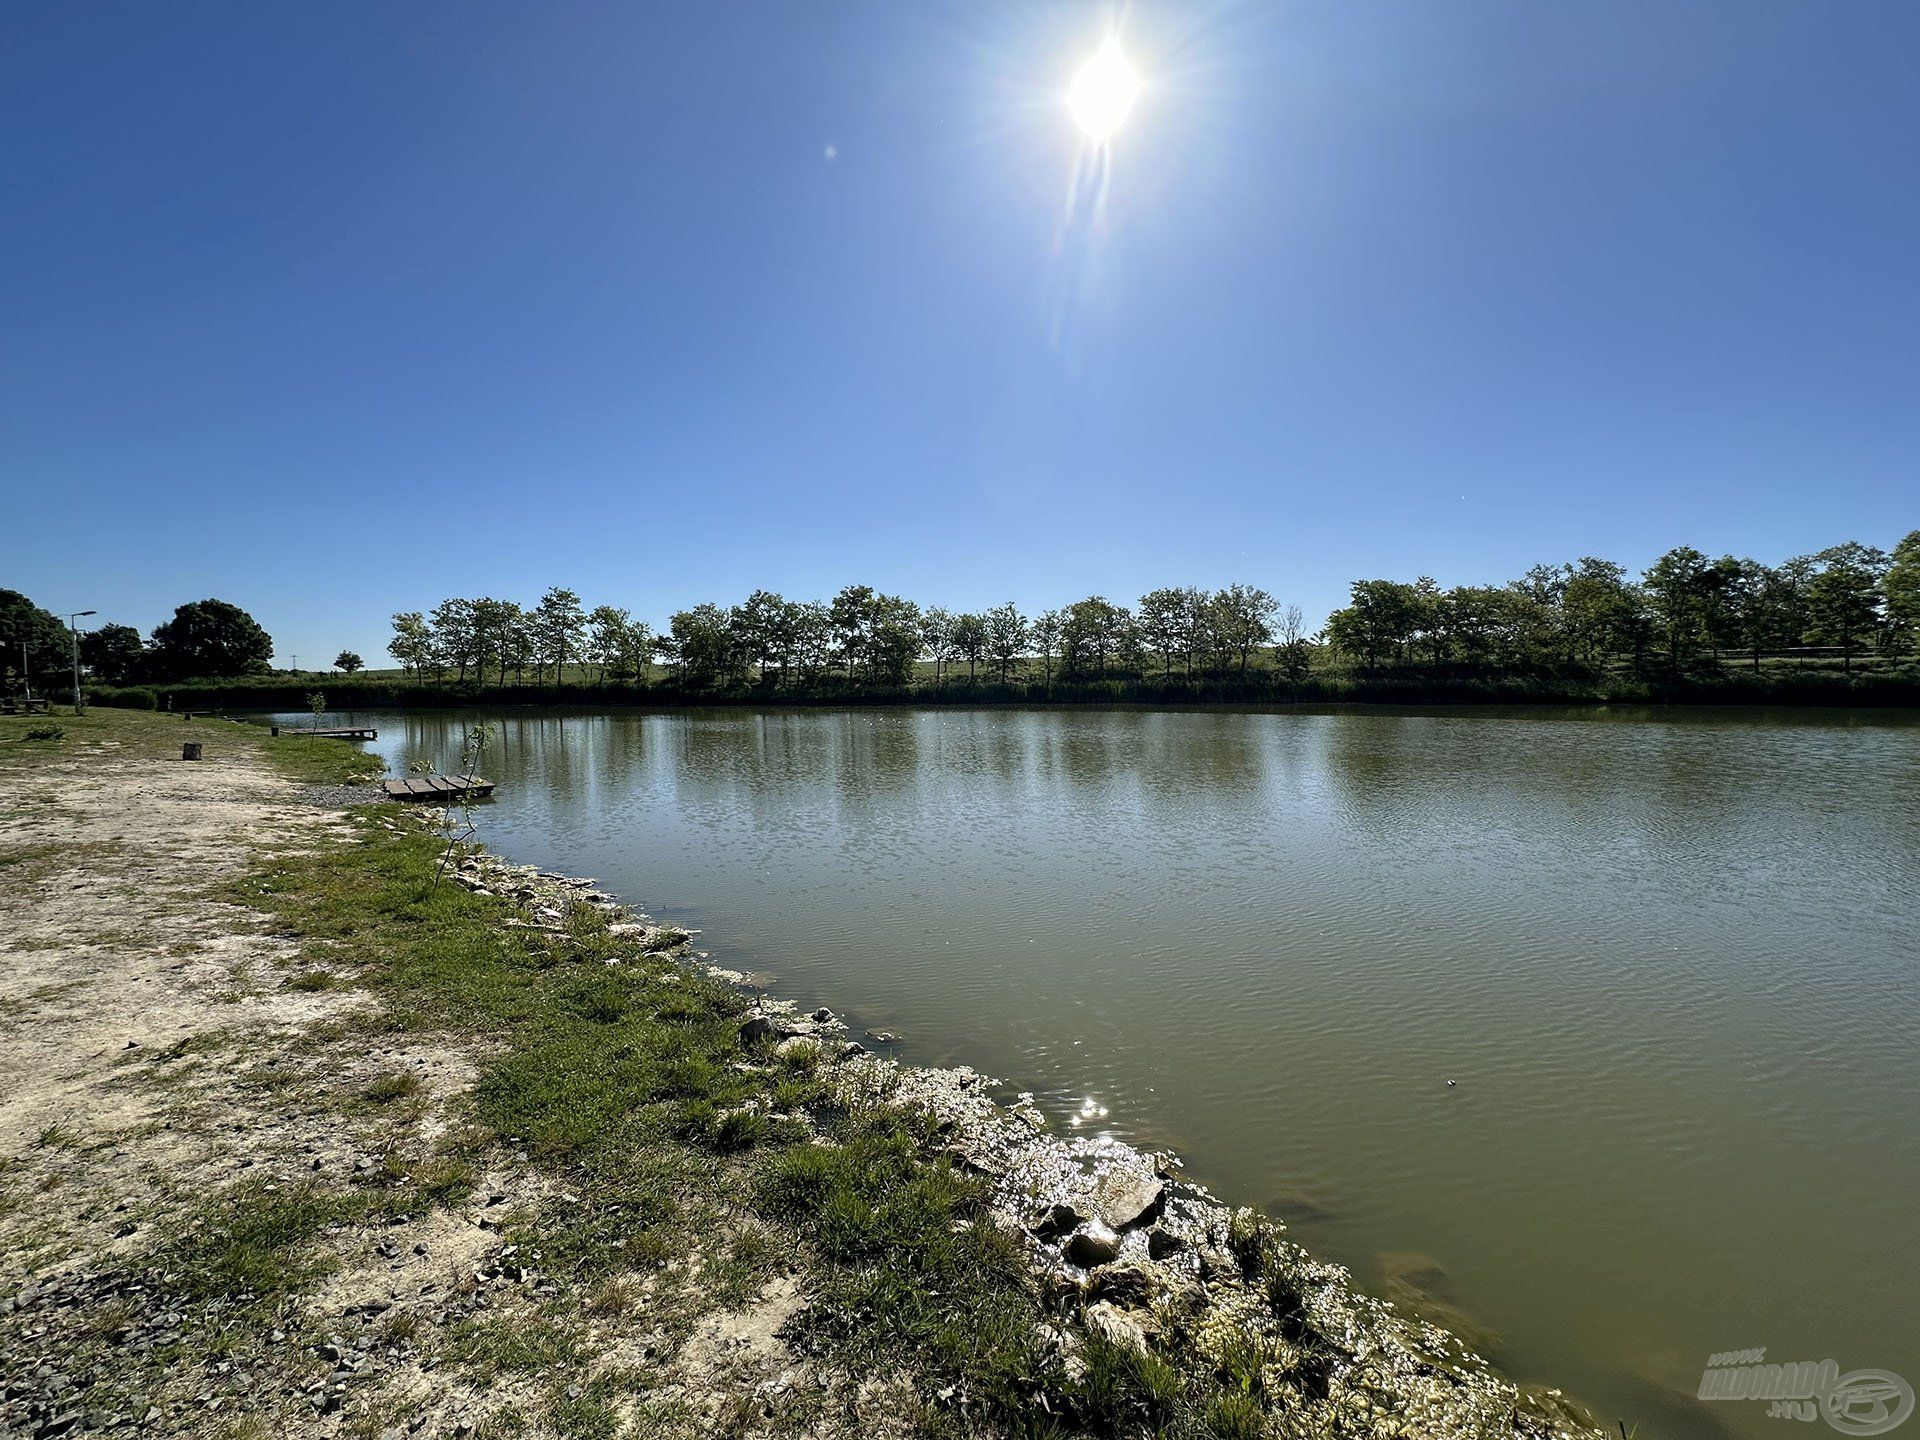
334, 310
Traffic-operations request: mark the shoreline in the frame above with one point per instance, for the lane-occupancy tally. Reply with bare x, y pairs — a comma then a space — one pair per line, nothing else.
1873, 687
297, 1142
1120, 1243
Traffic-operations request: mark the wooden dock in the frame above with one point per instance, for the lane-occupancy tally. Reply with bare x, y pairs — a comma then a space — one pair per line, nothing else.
351, 732
437, 787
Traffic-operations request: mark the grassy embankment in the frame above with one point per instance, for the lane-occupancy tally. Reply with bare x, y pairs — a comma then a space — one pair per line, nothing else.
1823, 680
681, 1173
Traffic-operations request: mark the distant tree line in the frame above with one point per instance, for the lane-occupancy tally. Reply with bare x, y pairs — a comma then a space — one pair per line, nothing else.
1686, 615
861, 637
1685, 611
206, 638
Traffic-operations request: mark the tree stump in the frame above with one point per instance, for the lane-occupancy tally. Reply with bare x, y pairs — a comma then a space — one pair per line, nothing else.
190, 750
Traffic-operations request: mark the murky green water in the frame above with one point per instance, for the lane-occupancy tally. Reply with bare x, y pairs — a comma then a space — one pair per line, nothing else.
1670, 961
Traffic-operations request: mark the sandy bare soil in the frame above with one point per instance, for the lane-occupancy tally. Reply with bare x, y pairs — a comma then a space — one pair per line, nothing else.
142, 1020
157, 1052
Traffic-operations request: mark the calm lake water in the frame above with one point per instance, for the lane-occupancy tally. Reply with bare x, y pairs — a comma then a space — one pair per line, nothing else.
1670, 961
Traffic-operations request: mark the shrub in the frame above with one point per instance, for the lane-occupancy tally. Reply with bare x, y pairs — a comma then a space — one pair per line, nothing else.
124, 697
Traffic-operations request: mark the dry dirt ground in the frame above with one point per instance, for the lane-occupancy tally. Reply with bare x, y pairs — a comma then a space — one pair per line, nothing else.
156, 1051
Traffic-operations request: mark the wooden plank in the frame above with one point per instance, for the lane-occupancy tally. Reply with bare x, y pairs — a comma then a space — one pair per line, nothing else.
434, 787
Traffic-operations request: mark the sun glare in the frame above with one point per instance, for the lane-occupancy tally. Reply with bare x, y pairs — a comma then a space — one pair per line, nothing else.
1103, 92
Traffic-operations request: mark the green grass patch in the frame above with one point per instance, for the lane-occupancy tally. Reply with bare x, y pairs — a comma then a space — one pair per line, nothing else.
394, 1086
259, 1241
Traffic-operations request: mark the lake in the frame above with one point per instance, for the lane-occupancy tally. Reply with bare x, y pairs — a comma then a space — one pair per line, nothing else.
1668, 959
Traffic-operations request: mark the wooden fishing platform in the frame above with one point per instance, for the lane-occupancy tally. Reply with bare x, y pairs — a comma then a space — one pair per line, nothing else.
351, 732
437, 787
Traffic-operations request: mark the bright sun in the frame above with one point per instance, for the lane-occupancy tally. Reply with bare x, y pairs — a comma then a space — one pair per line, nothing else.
1103, 92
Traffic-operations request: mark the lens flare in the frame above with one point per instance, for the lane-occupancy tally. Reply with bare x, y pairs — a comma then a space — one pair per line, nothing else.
1103, 92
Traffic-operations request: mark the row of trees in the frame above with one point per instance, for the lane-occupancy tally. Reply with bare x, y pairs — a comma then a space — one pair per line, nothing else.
485, 638
204, 638
1683, 610
861, 636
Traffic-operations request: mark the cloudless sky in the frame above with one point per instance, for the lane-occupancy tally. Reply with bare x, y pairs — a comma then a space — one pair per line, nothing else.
335, 310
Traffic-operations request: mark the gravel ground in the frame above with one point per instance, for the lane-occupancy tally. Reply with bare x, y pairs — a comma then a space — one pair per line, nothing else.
340, 797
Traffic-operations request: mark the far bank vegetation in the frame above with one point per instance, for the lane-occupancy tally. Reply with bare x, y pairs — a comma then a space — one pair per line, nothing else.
1840, 625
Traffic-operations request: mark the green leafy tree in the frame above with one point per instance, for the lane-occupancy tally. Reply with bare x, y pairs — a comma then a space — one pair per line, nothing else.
412, 644
893, 641
493, 637
1470, 618
702, 646
210, 639
1379, 621
1046, 640
1676, 588
607, 637
1754, 611
1242, 617
971, 638
452, 631
1900, 592
43, 634
348, 662
1096, 634
637, 644
1007, 636
761, 628
559, 629
1427, 612
1168, 619
936, 638
510, 635
851, 615
1605, 612
1293, 654
1537, 625
114, 653
812, 640
1843, 600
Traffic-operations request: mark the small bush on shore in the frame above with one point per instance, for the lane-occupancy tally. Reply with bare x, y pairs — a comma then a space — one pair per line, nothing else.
124, 697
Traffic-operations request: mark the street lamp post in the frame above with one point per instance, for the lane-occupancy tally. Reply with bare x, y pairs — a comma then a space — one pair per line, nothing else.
73, 629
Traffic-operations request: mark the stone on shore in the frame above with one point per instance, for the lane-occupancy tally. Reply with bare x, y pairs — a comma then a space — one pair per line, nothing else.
1055, 1221
1124, 1199
1094, 1244
1115, 1328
